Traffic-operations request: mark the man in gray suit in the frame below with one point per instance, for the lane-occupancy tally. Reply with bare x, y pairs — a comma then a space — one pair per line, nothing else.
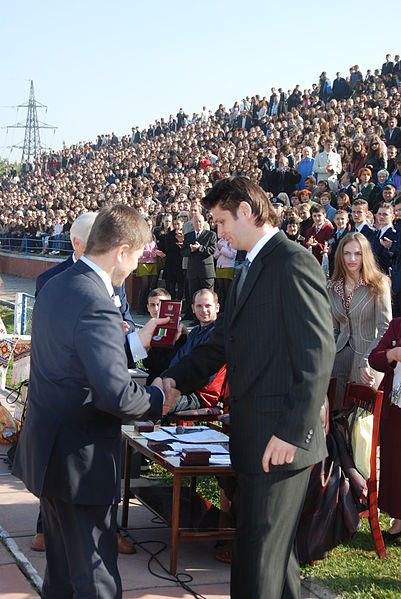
79, 393
276, 337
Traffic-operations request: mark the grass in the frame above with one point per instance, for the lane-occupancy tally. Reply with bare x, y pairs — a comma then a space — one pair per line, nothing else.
7, 315
353, 570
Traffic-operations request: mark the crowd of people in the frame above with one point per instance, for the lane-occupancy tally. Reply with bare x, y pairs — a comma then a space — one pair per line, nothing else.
271, 139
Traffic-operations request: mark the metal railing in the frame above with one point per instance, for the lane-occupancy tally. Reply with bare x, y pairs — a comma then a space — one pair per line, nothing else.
23, 308
43, 246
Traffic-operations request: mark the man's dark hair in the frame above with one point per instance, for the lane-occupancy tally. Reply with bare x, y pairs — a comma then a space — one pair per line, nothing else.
228, 193
159, 292
317, 208
117, 225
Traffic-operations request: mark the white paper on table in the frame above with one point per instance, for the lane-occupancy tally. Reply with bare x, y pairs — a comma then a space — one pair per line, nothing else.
206, 436
214, 448
158, 436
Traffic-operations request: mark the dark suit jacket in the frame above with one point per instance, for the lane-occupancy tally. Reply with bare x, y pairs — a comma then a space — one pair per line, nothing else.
278, 343
383, 256
395, 137
79, 393
46, 275
201, 262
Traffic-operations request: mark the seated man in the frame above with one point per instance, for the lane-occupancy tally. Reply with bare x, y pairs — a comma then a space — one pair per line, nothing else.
205, 306
159, 358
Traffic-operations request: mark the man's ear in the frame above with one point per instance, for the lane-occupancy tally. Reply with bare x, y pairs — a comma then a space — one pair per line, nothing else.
245, 209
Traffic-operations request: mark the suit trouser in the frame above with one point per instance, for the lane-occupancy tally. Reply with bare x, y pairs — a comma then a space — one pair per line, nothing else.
81, 551
264, 561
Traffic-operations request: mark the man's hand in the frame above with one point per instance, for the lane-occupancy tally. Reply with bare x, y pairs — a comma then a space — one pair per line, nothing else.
146, 333
194, 247
125, 326
171, 393
387, 243
278, 452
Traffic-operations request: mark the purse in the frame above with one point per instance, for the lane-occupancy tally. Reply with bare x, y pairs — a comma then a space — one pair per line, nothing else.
361, 432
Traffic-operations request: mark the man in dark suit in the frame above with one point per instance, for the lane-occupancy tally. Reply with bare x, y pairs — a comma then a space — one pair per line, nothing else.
199, 246
79, 233
80, 391
393, 134
276, 337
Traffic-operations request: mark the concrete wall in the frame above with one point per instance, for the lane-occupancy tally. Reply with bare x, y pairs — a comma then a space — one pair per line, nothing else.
31, 266
24, 266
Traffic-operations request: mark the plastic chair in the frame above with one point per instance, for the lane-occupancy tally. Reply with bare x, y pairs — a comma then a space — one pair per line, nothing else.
371, 400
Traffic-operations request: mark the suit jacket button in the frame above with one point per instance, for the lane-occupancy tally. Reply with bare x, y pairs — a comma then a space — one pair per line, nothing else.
307, 440
310, 432
231, 339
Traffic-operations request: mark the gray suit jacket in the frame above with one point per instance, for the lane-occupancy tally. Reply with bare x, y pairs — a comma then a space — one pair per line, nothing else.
363, 326
277, 341
79, 392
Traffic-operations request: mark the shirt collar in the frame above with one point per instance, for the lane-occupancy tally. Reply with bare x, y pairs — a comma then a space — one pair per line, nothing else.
360, 227
384, 229
102, 274
261, 243
73, 257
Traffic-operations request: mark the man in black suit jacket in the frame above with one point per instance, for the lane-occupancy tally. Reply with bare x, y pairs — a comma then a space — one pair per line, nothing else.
80, 391
79, 233
393, 134
199, 246
276, 337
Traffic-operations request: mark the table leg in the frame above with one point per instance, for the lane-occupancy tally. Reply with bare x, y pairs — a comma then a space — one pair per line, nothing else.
175, 518
127, 480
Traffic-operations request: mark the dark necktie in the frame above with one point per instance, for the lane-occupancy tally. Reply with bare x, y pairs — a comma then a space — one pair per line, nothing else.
244, 271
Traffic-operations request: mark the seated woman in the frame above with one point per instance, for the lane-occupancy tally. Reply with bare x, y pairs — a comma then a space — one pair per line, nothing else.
386, 357
360, 301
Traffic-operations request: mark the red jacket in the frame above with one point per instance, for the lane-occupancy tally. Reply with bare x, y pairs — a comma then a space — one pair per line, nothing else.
322, 236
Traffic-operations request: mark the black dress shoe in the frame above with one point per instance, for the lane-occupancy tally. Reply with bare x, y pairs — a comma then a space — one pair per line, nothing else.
389, 537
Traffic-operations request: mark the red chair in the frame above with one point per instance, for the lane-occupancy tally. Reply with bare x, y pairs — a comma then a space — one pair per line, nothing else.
210, 414
371, 400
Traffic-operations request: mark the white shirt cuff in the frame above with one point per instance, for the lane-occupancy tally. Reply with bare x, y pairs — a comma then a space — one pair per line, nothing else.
162, 392
137, 350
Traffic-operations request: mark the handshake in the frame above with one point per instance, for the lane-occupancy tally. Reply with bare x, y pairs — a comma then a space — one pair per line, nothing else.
168, 386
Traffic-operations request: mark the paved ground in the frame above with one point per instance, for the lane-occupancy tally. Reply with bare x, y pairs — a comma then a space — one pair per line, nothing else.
11, 284
18, 514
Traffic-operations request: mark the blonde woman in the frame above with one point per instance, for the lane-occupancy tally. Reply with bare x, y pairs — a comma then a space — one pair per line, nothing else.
360, 300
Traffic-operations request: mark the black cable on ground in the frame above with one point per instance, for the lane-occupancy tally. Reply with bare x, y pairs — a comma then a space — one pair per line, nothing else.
178, 578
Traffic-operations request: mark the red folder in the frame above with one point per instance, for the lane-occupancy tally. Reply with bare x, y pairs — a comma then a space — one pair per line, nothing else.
165, 336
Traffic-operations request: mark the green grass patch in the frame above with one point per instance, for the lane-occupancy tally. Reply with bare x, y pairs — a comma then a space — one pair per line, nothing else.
7, 314
352, 570
355, 571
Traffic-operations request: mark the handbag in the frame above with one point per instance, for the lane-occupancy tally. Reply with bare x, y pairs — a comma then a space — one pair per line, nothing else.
361, 432
335, 496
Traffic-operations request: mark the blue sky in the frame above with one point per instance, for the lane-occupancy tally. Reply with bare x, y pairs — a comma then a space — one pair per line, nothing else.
107, 66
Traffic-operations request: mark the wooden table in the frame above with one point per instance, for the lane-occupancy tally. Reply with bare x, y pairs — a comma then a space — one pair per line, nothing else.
135, 441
